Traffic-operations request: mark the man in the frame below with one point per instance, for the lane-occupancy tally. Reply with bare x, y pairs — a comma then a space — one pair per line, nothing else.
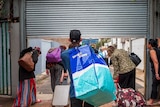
75, 39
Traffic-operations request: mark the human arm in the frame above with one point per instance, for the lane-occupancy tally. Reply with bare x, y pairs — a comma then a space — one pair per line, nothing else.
155, 63
47, 71
35, 56
115, 66
60, 63
25, 51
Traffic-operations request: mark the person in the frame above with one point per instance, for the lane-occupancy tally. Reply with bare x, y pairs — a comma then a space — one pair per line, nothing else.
124, 68
26, 91
94, 48
75, 39
56, 69
101, 52
152, 46
158, 42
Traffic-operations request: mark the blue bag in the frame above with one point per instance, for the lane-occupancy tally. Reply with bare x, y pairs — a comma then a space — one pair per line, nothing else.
91, 76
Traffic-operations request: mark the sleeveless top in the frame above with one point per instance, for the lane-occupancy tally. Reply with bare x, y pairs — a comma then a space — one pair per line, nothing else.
158, 57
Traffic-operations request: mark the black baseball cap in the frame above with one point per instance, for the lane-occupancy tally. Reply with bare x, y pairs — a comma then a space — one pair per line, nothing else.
75, 35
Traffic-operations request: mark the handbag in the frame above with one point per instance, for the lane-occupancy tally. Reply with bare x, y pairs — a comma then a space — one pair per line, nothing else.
27, 62
92, 79
136, 60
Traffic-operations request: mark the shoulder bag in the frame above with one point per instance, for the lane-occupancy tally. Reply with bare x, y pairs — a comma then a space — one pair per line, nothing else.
136, 60
27, 62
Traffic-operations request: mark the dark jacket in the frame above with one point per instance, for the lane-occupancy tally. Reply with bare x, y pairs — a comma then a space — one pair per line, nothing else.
24, 74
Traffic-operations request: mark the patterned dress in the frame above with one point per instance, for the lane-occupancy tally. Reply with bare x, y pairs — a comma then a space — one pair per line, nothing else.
26, 90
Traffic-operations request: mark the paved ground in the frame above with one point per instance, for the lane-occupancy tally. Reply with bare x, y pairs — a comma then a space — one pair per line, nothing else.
45, 94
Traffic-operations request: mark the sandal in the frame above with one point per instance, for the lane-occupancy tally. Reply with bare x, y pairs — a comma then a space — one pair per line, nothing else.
156, 103
148, 103
38, 101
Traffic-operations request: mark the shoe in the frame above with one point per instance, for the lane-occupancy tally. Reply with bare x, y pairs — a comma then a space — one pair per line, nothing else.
38, 101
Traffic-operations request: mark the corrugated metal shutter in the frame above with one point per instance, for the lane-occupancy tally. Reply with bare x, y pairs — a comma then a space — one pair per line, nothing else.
95, 18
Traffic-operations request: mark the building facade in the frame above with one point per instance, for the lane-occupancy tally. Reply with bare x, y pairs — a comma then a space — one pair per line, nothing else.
27, 19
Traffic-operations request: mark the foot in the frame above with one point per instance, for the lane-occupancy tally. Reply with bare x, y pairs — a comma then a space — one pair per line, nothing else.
114, 104
156, 103
149, 102
38, 101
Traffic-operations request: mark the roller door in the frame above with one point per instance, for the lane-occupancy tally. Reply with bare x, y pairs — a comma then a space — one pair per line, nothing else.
95, 18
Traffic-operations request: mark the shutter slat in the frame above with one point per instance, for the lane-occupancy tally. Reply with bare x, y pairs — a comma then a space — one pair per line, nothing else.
93, 17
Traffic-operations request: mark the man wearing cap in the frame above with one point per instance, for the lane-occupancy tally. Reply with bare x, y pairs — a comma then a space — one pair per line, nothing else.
75, 39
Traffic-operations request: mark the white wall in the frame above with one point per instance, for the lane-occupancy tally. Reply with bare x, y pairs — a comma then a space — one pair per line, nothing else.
138, 47
45, 45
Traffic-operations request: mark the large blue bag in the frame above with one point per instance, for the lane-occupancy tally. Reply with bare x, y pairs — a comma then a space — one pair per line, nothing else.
91, 76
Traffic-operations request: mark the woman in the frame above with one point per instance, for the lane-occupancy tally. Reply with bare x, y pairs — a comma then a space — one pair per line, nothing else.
124, 68
152, 46
56, 69
26, 92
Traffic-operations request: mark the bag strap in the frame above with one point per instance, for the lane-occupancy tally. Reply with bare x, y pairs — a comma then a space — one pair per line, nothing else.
50, 50
118, 86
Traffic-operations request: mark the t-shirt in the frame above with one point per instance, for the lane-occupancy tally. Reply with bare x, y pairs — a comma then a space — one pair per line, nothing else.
66, 63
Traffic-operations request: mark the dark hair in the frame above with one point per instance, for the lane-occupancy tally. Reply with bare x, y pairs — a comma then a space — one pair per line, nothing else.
75, 36
111, 49
63, 47
153, 43
38, 49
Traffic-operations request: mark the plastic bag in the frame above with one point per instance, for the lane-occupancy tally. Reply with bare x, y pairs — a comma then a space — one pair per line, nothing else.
92, 78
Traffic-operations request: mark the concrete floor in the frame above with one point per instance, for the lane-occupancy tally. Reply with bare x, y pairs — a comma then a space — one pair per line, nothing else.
45, 94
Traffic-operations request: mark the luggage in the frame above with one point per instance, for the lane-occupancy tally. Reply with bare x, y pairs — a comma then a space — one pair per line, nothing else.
128, 97
27, 62
61, 96
92, 79
54, 55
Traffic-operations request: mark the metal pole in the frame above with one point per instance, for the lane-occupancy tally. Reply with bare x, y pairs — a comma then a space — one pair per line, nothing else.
22, 25
148, 74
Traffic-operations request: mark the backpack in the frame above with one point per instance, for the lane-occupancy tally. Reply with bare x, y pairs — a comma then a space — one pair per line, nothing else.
54, 55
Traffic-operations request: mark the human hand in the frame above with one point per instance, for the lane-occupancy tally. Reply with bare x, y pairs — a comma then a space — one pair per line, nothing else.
62, 77
116, 80
47, 71
157, 76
